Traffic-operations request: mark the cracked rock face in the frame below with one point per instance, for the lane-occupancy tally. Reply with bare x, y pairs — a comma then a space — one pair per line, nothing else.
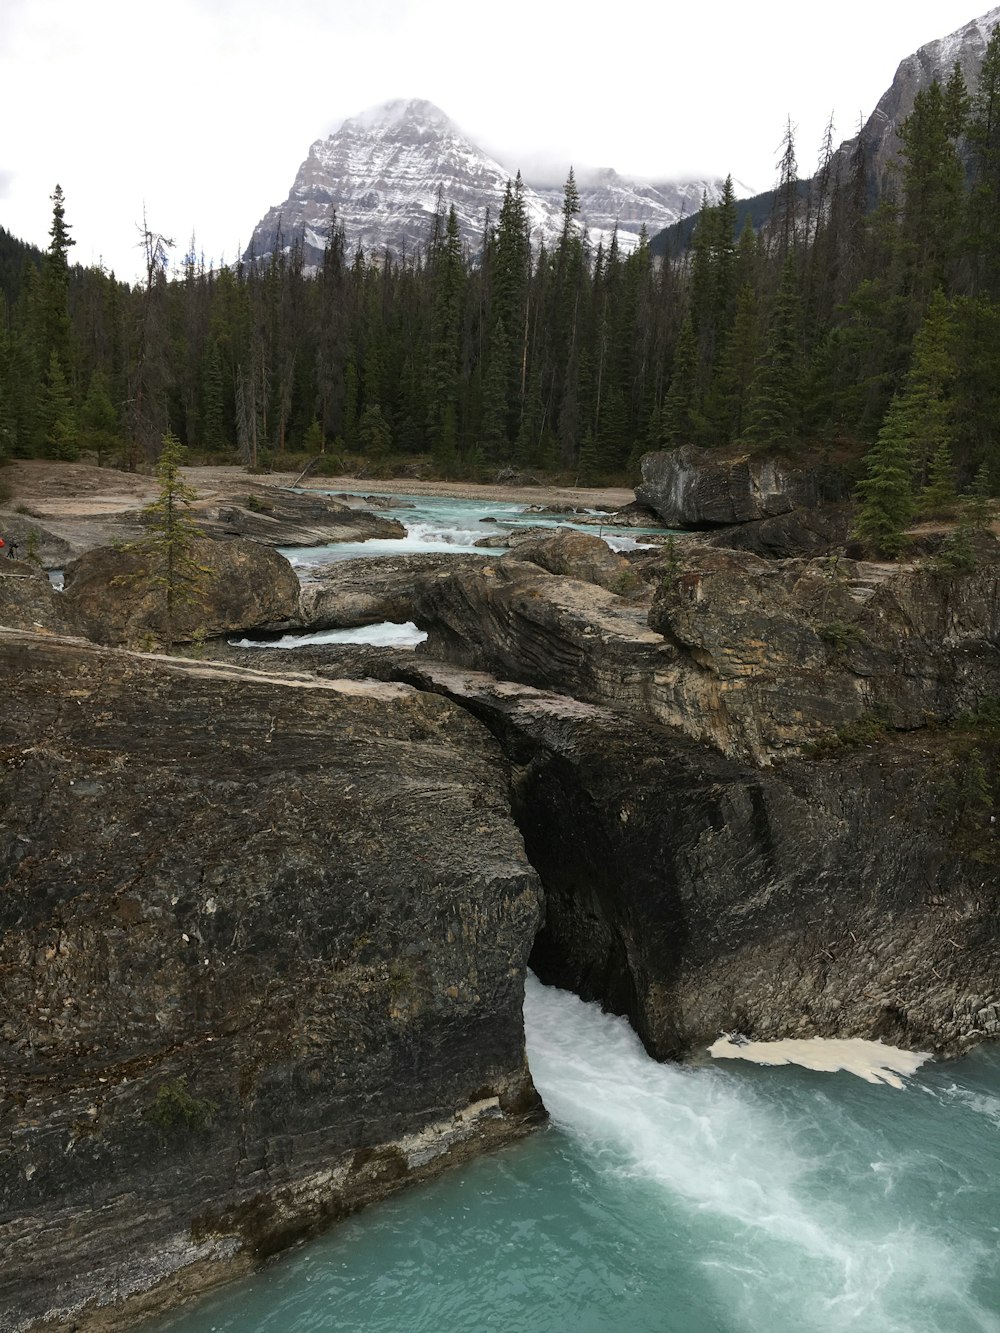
262, 948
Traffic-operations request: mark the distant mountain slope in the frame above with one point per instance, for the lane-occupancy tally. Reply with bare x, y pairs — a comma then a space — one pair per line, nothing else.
965, 47
384, 171
879, 136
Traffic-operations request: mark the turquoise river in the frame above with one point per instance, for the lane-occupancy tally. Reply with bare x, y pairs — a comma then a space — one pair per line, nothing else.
720, 1198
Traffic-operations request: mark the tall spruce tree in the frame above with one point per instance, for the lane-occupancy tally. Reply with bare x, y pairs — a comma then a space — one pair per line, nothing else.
886, 492
775, 405
170, 567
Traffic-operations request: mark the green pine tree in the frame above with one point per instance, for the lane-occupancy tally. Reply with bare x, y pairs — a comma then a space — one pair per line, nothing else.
886, 493
939, 497
61, 440
374, 433
170, 568
99, 420
775, 395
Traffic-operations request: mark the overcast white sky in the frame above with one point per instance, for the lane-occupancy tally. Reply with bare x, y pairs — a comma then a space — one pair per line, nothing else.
202, 110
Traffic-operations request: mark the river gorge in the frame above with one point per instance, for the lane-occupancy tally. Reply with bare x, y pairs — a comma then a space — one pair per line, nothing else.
269, 911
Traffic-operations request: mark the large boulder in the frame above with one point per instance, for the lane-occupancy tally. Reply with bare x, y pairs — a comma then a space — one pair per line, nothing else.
262, 953
577, 555
700, 488
801, 532
115, 597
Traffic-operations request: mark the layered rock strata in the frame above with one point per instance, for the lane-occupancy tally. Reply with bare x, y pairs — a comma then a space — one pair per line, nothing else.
262, 947
758, 658
854, 892
828, 897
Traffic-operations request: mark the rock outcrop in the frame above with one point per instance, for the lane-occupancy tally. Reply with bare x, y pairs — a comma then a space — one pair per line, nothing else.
27, 599
262, 947
115, 597
879, 138
854, 893
371, 589
702, 488
285, 518
758, 658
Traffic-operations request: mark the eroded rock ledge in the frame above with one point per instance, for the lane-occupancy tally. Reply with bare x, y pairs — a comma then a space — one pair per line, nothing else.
262, 946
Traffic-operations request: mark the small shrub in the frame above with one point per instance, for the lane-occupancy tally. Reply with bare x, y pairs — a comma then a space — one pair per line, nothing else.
956, 554
984, 719
174, 1110
400, 979
258, 504
868, 729
966, 801
672, 566
840, 636
626, 583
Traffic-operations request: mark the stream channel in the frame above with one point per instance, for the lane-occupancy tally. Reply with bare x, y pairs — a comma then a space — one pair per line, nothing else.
721, 1197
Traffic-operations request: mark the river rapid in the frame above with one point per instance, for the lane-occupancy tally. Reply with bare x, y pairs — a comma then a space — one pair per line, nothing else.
662, 1199
722, 1197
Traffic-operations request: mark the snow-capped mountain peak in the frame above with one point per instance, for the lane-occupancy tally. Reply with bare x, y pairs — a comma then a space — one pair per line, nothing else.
385, 171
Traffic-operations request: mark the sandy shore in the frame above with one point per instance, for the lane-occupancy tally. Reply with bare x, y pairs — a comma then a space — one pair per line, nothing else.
78, 490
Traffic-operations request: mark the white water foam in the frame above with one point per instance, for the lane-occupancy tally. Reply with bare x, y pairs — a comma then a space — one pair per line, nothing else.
781, 1226
384, 635
871, 1060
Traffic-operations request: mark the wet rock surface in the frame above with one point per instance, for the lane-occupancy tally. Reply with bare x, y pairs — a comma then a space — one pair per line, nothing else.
262, 948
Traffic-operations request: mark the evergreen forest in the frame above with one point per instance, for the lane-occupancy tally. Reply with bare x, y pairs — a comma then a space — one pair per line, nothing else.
838, 328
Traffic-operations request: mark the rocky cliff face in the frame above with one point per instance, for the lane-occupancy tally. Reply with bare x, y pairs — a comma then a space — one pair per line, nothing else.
262, 947
386, 172
699, 895
935, 60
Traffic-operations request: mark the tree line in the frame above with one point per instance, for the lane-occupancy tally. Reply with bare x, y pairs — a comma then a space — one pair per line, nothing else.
832, 328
